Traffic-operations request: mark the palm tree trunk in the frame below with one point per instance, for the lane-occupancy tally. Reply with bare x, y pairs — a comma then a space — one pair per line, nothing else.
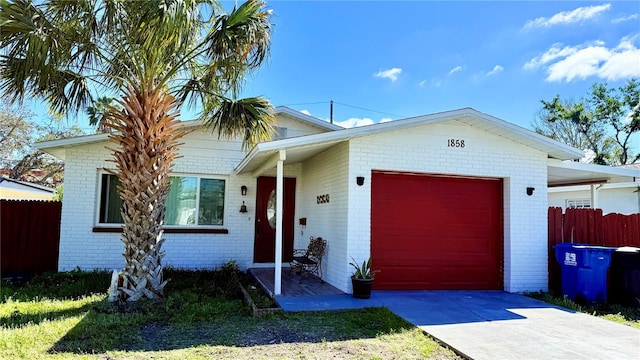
147, 134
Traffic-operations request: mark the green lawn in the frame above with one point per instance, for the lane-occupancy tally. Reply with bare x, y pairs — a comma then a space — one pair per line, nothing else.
66, 315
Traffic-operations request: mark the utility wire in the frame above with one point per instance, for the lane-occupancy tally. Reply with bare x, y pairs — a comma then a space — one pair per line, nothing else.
362, 108
347, 105
308, 103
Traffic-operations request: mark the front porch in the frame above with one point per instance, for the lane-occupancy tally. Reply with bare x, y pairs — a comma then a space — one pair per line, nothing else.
291, 284
311, 294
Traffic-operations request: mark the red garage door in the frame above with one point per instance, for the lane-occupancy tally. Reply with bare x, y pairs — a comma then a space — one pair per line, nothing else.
436, 232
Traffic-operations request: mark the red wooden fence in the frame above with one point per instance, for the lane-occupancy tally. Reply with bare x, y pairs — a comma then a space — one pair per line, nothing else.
588, 226
29, 236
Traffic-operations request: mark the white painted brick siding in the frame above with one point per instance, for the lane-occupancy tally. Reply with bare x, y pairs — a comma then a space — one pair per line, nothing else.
424, 149
203, 154
327, 173
345, 221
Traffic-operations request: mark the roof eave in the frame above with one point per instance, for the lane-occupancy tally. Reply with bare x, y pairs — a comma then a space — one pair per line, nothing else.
307, 118
559, 150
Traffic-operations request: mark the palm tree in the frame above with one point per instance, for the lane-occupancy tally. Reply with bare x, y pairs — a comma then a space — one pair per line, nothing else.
98, 112
153, 56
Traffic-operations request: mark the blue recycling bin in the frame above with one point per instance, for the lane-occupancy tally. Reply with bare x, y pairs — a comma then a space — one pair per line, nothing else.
584, 271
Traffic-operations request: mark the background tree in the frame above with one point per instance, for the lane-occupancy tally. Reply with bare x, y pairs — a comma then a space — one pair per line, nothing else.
36, 166
548, 123
604, 122
15, 129
152, 55
18, 133
619, 110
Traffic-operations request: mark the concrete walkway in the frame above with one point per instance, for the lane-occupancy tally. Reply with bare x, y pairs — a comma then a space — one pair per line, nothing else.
494, 324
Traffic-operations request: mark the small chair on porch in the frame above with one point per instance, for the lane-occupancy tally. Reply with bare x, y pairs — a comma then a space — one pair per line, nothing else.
309, 260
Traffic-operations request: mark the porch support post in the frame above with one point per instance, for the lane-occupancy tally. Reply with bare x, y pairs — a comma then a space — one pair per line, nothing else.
277, 283
594, 196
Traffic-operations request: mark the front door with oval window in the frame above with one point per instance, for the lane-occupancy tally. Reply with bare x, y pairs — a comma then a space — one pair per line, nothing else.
265, 241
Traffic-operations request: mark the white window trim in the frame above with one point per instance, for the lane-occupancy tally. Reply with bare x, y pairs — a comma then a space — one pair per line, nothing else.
575, 202
225, 217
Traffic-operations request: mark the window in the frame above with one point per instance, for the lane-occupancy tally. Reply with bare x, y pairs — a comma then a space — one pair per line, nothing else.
579, 204
192, 201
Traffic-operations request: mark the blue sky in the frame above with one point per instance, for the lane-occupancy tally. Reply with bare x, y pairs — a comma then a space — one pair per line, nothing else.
388, 60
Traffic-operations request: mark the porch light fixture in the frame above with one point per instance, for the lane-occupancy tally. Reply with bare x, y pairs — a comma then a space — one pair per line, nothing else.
530, 191
360, 180
243, 208
243, 190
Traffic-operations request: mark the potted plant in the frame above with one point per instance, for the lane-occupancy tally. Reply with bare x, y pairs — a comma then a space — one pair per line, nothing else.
362, 279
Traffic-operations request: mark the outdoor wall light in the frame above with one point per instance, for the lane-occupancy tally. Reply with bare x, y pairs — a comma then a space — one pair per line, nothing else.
360, 180
530, 191
243, 208
243, 190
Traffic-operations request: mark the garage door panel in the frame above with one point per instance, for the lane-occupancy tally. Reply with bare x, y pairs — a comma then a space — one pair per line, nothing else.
435, 277
434, 232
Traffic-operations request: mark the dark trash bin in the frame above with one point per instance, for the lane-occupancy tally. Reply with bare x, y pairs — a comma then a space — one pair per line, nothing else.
624, 277
584, 271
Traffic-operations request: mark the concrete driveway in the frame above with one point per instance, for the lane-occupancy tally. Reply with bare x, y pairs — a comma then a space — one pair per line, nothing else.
495, 324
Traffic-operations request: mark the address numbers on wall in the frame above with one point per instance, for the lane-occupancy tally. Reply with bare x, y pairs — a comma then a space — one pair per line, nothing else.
455, 143
322, 199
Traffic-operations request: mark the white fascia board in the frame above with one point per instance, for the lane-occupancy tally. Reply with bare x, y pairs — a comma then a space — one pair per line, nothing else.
307, 118
604, 169
71, 141
20, 185
57, 147
572, 188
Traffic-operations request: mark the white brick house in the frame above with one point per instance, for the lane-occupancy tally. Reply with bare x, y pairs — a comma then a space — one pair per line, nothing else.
448, 200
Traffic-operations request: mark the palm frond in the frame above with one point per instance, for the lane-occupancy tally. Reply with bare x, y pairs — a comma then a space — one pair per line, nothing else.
239, 41
251, 119
47, 53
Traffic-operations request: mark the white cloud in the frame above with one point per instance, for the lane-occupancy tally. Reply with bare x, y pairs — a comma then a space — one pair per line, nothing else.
355, 122
624, 18
455, 70
556, 51
568, 17
391, 74
306, 112
590, 59
496, 69
421, 83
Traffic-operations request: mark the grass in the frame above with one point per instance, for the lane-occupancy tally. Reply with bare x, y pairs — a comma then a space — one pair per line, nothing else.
67, 316
614, 312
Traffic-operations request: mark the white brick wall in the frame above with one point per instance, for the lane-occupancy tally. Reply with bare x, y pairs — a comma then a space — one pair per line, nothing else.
202, 154
327, 173
345, 220
425, 150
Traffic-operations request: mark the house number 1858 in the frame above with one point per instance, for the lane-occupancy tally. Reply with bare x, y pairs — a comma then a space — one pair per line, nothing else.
458, 143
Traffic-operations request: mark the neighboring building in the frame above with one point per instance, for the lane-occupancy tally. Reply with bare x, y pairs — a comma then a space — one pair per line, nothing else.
618, 195
11, 189
452, 200
34, 176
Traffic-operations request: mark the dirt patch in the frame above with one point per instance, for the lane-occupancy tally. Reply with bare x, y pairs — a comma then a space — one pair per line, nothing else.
280, 332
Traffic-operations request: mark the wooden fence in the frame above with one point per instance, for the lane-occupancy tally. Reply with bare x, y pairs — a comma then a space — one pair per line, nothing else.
29, 236
588, 226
